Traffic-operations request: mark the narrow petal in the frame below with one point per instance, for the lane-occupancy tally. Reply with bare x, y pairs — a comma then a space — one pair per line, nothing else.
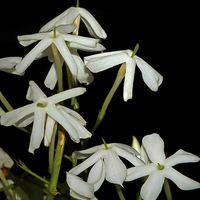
153, 186
94, 28
49, 127
97, 174
5, 160
67, 94
66, 54
12, 117
154, 147
31, 56
134, 173
9, 62
150, 76
88, 162
183, 182
129, 78
181, 156
79, 186
34, 93
102, 63
38, 129
51, 78
115, 169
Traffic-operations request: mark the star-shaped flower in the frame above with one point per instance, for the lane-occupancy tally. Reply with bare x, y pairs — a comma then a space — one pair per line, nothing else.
80, 189
44, 112
8, 64
106, 163
68, 17
160, 168
99, 62
59, 39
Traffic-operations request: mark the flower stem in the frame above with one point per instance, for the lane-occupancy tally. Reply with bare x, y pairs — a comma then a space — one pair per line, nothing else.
119, 191
102, 112
58, 65
52, 189
167, 190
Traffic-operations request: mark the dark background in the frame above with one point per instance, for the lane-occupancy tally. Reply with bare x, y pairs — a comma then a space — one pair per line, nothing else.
168, 34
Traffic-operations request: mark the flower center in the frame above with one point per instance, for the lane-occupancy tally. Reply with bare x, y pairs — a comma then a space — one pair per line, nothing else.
42, 104
160, 167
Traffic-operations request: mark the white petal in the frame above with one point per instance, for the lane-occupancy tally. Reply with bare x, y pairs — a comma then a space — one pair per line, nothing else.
48, 130
88, 162
101, 63
66, 54
5, 160
34, 93
183, 182
67, 94
38, 129
150, 76
94, 28
9, 62
51, 78
115, 169
154, 147
153, 186
129, 78
181, 156
79, 186
31, 56
97, 174
12, 117
134, 173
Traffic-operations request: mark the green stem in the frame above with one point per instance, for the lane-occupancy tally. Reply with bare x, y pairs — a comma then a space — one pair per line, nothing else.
102, 112
167, 190
58, 65
52, 189
119, 192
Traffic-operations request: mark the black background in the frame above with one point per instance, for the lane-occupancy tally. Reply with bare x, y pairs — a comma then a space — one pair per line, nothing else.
168, 34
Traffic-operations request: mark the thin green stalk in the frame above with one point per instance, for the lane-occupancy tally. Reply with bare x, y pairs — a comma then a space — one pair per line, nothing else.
119, 192
58, 65
52, 189
102, 112
167, 190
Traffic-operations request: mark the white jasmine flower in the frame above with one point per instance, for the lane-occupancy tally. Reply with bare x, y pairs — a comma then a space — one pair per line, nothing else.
68, 17
99, 62
8, 64
5, 160
160, 168
59, 40
45, 110
105, 163
80, 189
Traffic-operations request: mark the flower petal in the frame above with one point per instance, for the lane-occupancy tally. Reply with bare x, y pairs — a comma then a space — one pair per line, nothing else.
181, 156
153, 186
183, 182
49, 128
88, 162
97, 174
67, 94
134, 173
150, 76
5, 160
129, 78
31, 56
12, 117
66, 54
101, 62
115, 169
154, 147
38, 129
9, 62
80, 187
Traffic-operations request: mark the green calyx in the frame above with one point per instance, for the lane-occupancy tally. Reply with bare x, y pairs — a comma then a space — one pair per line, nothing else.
160, 167
135, 50
42, 105
104, 142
